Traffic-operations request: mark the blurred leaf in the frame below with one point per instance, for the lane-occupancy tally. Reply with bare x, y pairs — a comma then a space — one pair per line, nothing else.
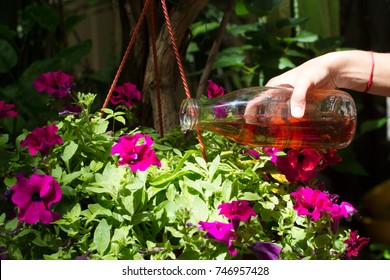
6, 32
8, 56
201, 27
46, 17
370, 125
71, 56
303, 37
241, 8
72, 21
261, 8
350, 163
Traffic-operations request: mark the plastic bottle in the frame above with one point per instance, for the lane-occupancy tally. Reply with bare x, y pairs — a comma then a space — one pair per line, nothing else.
260, 116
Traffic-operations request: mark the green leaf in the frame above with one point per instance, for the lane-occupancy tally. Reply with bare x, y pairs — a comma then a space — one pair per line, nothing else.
96, 165
10, 181
4, 139
74, 214
69, 151
214, 166
108, 111
8, 56
68, 178
102, 236
120, 119
71, 56
370, 125
241, 9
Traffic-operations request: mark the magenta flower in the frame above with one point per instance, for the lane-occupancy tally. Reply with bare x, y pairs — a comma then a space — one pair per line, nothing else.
58, 83
271, 152
220, 231
238, 210
135, 151
213, 90
42, 139
299, 165
329, 158
34, 196
6, 110
355, 243
252, 152
311, 202
337, 212
266, 250
126, 94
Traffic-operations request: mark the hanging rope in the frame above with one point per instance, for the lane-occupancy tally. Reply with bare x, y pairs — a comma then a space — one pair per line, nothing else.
126, 54
181, 69
156, 72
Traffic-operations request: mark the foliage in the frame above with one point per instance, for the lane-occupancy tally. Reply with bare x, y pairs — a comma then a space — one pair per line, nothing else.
111, 211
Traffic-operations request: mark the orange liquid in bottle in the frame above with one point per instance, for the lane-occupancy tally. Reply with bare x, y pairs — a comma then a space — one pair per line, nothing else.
288, 133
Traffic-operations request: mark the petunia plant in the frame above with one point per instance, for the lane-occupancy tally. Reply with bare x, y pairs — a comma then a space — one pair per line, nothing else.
83, 187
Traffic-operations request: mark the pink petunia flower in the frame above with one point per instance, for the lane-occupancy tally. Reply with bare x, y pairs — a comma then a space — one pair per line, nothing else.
213, 90
6, 110
299, 165
42, 139
252, 152
34, 196
266, 250
57, 83
126, 94
355, 243
311, 202
337, 212
329, 158
135, 151
238, 210
222, 232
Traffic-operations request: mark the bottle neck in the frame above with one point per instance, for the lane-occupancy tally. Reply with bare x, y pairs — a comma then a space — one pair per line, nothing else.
189, 114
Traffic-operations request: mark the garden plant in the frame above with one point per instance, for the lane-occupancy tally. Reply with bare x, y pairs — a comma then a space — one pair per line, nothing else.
87, 187
81, 179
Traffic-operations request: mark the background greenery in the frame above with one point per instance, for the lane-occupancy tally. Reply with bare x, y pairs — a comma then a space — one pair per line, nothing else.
263, 39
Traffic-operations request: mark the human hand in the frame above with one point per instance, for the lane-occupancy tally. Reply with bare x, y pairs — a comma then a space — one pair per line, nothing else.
313, 74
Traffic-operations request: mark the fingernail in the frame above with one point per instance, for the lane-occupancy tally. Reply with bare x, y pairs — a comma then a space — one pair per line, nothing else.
297, 112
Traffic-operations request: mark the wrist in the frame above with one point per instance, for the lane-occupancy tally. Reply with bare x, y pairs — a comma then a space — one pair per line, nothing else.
351, 69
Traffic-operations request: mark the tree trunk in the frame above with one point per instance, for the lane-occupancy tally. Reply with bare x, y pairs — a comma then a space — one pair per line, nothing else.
140, 67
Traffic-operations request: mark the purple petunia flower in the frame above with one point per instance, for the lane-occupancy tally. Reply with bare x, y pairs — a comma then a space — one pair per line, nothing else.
57, 83
42, 139
70, 109
135, 151
222, 232
34, 196
238, 210
355, 243
126, 94
265, 250
6, 110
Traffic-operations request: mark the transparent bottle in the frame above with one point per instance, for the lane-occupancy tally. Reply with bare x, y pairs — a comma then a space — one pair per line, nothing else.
260, 116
